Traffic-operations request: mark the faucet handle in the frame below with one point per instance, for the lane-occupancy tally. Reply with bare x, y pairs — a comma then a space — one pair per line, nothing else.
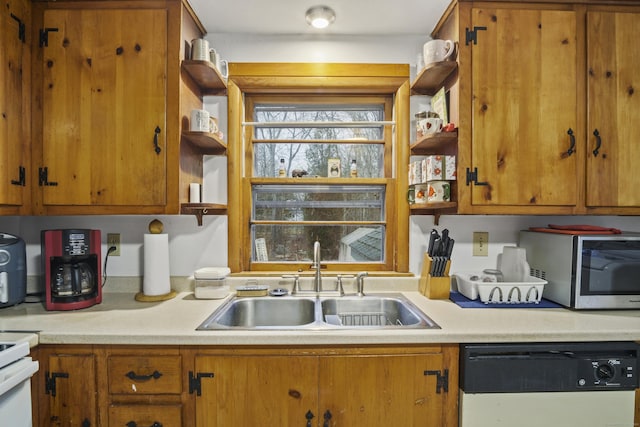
296, 282
339, 277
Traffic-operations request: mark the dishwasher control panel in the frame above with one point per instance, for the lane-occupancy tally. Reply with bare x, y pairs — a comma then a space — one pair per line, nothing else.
611, 372
539, 367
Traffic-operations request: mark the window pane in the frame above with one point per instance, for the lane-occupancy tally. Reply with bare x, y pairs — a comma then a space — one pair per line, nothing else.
325, 203
338, 243
313, 158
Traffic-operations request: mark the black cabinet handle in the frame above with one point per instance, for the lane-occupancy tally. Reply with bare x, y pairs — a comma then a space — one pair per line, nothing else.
134, 424
309, 416
155, 140
327, 419
132, 375
596, 150
572, 139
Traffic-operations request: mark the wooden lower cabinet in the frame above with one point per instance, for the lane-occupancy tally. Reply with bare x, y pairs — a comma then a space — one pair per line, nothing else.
368, 386
68, 387
173, 386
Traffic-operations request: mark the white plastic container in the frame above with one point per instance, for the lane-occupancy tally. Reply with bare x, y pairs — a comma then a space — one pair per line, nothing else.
211, 283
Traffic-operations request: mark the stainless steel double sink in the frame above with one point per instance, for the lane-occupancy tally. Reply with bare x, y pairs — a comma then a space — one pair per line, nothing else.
374, 311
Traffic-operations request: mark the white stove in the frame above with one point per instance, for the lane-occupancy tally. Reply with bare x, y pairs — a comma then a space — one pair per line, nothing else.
16, 370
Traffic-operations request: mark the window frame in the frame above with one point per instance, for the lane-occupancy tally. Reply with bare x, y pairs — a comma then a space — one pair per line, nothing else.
250, 83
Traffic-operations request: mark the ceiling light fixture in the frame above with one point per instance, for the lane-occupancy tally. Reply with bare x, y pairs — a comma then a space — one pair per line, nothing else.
320, 16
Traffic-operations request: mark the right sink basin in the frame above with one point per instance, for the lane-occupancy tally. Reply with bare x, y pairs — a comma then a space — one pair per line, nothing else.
374, 311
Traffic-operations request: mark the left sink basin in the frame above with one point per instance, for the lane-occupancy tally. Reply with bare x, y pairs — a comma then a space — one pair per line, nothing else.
262, 313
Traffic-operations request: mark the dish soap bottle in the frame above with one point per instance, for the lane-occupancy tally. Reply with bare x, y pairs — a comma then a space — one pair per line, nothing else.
282, 172
354, 169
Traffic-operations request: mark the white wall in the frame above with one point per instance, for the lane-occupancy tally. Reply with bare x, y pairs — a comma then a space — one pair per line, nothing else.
192, 247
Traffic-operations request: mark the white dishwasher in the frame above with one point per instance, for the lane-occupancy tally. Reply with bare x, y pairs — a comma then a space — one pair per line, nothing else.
15, 384
548, 384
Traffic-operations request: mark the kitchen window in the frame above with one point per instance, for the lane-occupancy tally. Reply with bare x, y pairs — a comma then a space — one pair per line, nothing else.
313, 163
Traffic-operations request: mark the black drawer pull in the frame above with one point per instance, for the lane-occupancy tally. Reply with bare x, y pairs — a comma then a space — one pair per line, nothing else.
134, 424
132, 375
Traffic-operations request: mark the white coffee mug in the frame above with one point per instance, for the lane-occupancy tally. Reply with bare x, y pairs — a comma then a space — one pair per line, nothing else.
200, 121
194, 193
430, 125
200, 50
223, 68
437, 50
213, 124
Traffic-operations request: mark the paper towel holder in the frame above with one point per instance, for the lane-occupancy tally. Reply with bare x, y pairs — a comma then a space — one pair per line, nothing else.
155, 228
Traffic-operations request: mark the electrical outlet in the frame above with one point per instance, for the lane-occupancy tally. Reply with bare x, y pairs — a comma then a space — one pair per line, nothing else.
113, 239
480, 243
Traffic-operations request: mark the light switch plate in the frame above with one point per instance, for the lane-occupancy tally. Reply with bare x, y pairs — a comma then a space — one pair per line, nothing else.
480, 243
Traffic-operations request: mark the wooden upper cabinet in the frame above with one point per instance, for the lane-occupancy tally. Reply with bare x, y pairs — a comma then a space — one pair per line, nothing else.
14, 56
104, 139
524, 105
613, 130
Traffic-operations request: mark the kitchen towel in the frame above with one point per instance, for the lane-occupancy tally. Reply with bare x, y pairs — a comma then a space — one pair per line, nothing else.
156, 265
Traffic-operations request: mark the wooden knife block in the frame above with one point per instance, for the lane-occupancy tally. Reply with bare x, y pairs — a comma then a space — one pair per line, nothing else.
434, 287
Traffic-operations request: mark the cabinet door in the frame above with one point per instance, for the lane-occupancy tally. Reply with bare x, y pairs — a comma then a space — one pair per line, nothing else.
377, 390
257, 390
523, 105
13, 140
104, 94
71, 391
613, 61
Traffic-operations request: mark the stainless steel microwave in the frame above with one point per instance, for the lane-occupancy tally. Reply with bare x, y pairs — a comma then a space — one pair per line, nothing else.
586, 271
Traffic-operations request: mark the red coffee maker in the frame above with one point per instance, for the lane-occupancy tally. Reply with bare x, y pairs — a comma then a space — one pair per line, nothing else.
71, 267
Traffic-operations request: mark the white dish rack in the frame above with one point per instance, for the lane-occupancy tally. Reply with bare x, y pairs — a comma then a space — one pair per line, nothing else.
473, 286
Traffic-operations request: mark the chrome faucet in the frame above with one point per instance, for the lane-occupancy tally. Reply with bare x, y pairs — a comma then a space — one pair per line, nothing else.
360, 283
316, 265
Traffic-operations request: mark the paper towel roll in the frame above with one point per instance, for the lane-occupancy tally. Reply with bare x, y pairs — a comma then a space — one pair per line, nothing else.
156, 265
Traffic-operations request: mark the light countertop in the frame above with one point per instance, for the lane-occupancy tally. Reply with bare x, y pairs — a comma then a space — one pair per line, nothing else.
120, 319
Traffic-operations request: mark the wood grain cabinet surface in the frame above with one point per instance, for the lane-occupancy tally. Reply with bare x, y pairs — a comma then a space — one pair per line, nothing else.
112, 104
355, 387
544, 96
15, 17
67, 387
102, 385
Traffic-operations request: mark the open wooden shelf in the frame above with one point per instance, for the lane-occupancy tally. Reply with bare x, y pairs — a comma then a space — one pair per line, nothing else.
435, 209
432, 77
206, 77
207, 142
201, 209
436, 143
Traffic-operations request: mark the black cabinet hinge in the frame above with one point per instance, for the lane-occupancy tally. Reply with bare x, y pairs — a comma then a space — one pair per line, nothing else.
194, 382
21, 29
472, 35
473, 177
50, 382
43, 178
442, 380
22, 177
44, 35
